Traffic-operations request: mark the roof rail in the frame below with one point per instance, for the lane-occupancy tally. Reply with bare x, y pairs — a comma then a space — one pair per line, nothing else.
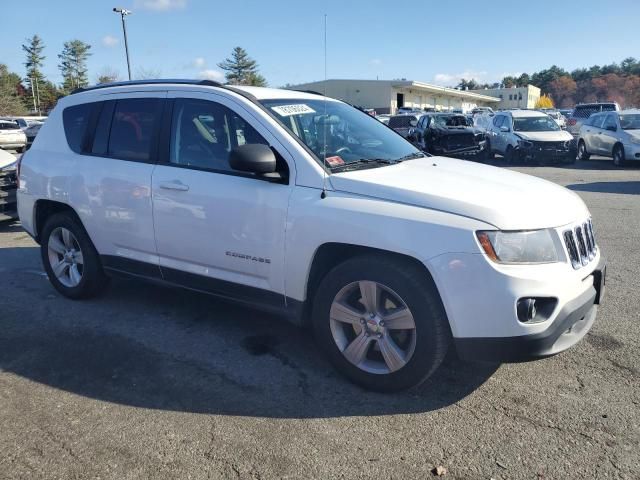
180, 81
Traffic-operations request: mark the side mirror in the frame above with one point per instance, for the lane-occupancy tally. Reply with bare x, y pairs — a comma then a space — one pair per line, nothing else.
413, 123
255, 158
505, 129
612, 128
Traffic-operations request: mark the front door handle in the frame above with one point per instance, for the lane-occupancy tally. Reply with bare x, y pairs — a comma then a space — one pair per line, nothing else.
174, 185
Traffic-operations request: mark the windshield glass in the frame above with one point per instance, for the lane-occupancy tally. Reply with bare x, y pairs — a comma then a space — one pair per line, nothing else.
534, 124
343, 134
630, 121
450, 121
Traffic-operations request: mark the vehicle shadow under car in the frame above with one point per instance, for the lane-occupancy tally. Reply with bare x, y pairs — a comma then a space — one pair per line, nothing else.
155, 347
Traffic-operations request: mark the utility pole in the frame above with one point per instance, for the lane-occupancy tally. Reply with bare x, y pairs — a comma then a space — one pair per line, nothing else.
123, 13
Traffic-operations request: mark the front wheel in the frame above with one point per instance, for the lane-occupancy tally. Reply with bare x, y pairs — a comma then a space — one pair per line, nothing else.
70, 259
618, 155
381, 322
583, 154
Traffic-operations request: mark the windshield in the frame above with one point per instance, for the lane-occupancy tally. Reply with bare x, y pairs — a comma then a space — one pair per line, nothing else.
534, 124
630, 121
8, 125
343, 134
450, 121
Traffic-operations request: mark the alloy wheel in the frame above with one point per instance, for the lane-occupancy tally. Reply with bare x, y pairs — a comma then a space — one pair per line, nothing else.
65, 257
373, 327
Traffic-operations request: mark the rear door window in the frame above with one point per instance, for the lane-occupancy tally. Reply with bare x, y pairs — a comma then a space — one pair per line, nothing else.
133, 129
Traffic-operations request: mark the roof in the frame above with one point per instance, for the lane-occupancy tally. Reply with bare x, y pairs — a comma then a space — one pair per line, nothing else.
259, 93
524, 113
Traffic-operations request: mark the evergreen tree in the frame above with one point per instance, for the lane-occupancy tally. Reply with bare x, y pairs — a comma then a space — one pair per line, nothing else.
242, 69
33, 62
11, 93
73, 64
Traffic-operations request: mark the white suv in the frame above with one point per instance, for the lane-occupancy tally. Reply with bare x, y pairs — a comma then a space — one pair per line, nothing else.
529, 135
301, 204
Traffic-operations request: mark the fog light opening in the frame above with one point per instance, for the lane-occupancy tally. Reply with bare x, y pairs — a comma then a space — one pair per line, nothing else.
535, 309
527, 309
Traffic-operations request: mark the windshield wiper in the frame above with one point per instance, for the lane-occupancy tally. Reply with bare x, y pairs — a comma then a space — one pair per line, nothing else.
361, 162
411, 156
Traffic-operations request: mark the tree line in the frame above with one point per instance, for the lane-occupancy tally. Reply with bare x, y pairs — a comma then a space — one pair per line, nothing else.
616, 82
37, 94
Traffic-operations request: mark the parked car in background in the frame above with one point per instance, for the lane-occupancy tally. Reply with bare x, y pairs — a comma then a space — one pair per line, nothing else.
448, 134
8, 186
566, 112
413, 110
384, 118
529, 135
302, 205
611, 134
584, 110
482, 110
11, 136
483, 121
31, 131
404, 123
25, 122
557, 117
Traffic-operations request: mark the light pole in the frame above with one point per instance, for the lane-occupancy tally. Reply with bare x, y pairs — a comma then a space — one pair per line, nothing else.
123, 13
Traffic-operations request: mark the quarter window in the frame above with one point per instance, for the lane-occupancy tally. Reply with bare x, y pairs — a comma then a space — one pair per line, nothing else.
203, 133
75, 120
132, 129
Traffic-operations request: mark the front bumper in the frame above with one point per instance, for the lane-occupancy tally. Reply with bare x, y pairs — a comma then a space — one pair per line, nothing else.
569, 327
632, 151
470, 151
541, 152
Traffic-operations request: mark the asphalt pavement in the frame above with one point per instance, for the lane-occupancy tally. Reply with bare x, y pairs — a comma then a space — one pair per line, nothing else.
150, 382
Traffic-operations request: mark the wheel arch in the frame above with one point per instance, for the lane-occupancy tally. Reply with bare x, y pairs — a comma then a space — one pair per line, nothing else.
44, 208
331, 254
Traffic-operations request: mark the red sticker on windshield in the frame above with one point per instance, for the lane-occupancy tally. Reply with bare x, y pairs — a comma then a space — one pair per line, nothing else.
334, 161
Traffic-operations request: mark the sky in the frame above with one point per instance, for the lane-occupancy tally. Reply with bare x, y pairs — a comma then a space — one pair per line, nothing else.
432, 41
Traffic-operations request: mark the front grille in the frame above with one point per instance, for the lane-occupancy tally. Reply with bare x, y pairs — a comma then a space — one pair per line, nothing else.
8, 188
581, 244
460, 141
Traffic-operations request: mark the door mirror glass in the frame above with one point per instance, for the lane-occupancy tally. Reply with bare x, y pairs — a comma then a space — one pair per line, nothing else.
254, 158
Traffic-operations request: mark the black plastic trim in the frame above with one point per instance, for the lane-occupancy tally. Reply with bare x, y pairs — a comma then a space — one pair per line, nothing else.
250, 296
167, 81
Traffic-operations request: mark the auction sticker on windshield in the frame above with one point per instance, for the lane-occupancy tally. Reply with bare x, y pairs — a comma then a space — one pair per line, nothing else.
297, 109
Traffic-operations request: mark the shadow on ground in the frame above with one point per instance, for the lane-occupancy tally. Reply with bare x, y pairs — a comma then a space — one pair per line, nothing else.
154, 347
625, 188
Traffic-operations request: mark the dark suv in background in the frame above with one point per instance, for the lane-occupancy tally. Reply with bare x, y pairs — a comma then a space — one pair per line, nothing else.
584, 111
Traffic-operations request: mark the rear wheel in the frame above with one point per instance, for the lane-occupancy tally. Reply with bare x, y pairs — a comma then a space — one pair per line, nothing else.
583, 154
618, 155
381, 322
70, 259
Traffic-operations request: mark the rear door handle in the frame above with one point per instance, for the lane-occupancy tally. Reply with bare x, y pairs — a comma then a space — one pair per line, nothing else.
174, 185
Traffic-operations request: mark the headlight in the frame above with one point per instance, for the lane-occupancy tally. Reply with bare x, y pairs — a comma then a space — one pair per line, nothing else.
635, 140
12, 166
536, 246
525, 143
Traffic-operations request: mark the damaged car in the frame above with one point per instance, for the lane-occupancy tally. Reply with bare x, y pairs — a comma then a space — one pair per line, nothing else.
450, 135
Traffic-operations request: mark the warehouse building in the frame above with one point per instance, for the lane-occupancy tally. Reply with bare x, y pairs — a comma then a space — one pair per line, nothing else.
516, 97
386, 96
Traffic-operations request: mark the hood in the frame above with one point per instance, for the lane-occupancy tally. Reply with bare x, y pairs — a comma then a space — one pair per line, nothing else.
633, 133
506, 199
6, 158
558, 136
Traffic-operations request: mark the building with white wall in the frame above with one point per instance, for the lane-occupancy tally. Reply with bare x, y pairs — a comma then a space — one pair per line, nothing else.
386, 96
516, 97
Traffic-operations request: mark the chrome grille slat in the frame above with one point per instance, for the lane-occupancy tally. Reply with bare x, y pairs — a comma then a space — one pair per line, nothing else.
580, 243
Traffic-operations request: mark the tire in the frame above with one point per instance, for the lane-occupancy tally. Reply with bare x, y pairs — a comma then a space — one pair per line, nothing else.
55, 244
399, 283
618, 155
20, 150
490, 155
583, 154
509, 154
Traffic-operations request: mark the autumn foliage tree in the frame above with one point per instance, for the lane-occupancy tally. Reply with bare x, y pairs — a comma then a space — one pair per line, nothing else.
544, 102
